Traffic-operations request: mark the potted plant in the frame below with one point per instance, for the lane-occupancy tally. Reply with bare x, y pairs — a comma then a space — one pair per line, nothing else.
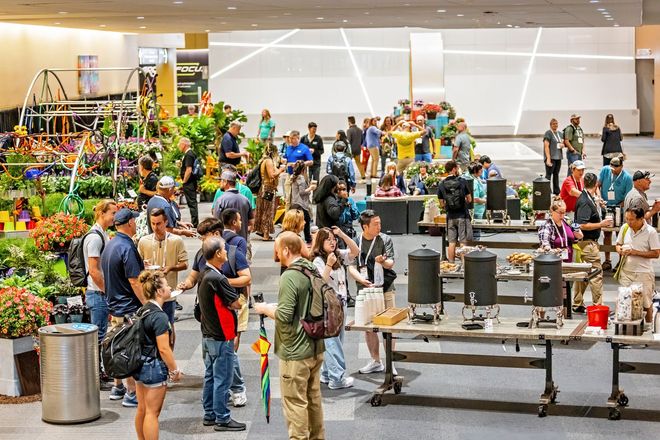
76, 312
65, 290
61, 313
21, 315
431, 110
54, 234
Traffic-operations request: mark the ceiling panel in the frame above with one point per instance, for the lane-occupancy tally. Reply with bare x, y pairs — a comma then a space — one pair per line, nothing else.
166, 16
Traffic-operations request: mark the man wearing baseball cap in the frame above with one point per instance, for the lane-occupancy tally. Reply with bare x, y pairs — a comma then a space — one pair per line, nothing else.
574, 141
164, 193
573, 185
614, 183
637, 197
121, 265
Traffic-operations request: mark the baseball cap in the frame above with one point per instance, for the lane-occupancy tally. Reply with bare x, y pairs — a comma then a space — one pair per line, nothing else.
287, 134
166, 182
575, 116
639, 175
578, 164
616, 162
229, 176
123, 216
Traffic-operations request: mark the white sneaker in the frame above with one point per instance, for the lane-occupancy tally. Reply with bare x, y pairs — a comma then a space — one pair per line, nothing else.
346, 382
372, 367
394, 371
324, 380
239, 399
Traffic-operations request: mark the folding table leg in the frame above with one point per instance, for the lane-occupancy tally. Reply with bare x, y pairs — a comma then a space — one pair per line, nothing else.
550, 393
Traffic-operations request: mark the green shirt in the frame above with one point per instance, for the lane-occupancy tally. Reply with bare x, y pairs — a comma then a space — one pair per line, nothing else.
242, 189
291, 341
575, 136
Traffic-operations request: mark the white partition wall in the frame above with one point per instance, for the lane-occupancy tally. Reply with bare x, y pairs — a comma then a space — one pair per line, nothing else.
498, 79
427, 67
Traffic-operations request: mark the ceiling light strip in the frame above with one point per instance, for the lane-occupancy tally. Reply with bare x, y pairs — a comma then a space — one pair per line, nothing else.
253, 54
527, 78
357, 72
445, 51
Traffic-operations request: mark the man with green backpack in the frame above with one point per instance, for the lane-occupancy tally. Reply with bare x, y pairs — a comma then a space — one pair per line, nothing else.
574, 141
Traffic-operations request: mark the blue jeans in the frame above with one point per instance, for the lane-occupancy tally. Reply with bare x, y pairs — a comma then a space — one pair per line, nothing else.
572, 157
238, 383
219, 363
334, 361
425, 157
97, 303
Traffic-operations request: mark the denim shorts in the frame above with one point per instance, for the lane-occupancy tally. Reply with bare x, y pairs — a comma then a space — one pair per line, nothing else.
153, 373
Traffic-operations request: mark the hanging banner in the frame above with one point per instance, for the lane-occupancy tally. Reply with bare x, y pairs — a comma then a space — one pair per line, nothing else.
192, 79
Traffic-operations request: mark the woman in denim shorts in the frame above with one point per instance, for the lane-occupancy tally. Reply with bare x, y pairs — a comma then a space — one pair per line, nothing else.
159, 363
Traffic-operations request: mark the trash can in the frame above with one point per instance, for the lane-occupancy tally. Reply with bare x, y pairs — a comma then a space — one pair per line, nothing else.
70, 387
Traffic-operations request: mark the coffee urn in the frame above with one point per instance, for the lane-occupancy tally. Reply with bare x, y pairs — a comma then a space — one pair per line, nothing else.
496, 190
424, 284
548, 289
480, 287
541, 194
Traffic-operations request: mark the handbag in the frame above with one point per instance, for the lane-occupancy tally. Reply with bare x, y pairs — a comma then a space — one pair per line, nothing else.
268, 195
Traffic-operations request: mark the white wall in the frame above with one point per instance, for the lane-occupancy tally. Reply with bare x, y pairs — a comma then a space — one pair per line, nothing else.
27, 49
301, 84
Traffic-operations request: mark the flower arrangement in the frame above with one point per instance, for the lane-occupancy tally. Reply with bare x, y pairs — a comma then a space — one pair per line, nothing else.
524, 191
431, 108
435, 172
209, 184
56, 231
406, 110
403, 102
419, 103
21, 313
451, 112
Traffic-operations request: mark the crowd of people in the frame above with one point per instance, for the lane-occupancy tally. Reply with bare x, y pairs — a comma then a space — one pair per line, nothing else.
138, 269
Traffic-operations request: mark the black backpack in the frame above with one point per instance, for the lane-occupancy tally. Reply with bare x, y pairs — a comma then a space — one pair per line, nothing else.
453, 196
77, 267
122, 347
197, 170
253, 179
339, 168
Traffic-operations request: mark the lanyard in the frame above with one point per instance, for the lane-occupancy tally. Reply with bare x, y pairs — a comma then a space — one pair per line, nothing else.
153, 249
556, 136
593, 202
368, 253
563, 227
614, 181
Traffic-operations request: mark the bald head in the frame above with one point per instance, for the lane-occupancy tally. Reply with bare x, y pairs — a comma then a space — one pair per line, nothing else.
462, 126
288, 246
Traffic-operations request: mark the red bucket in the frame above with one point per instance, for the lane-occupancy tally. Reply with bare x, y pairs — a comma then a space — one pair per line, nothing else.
597, 316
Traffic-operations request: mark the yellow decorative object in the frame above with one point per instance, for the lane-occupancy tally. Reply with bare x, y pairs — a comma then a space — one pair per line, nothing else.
36, 212
9, 226
20, 226
4, 216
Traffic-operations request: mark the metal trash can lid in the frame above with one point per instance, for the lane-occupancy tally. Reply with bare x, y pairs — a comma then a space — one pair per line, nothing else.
74, 329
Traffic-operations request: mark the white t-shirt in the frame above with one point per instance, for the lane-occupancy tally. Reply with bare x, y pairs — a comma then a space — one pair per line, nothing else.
646, 239
92, 248
337, 276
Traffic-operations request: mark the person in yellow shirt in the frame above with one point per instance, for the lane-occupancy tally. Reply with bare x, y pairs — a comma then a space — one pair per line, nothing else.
405, 141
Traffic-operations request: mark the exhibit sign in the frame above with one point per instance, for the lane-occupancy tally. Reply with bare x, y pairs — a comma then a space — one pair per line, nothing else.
192, 77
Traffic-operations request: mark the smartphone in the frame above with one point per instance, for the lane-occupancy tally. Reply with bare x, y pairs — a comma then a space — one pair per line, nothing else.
258, 298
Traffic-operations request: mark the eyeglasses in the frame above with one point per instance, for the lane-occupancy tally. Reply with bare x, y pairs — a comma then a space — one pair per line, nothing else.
560, 212
341, 188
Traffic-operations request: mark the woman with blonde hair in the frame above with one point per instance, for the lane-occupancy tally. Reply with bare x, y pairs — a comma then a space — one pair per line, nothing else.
267, 199
293, 221
556, 233
159, 363
266, 126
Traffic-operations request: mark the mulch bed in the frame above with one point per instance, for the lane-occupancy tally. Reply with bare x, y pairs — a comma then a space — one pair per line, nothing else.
7, 400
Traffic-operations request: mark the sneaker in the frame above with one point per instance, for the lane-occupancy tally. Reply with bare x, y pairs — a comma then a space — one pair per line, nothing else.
325, 380
117, 393
394, 372
346, 382
239, 399
231, 425
208, 422
372, 367
579, 309
130, 400
350, 302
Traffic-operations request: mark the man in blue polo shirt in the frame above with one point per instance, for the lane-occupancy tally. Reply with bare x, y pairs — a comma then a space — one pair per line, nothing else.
164, 193
297, 151
614, 183
121, 265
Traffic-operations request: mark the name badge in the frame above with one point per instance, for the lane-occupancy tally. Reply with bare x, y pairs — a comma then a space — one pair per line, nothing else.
610, 195
418, 141
564, 254
580, 140
363, 272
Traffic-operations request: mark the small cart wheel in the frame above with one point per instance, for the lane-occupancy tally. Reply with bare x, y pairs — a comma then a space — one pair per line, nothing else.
376, 400
397, 387
543, 410
615, 414
623, 400
553, 398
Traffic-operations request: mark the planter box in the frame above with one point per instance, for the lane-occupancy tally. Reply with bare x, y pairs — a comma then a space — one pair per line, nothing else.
10, 384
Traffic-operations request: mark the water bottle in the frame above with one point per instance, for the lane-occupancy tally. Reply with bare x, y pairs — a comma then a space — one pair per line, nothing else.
370, 304
381, 299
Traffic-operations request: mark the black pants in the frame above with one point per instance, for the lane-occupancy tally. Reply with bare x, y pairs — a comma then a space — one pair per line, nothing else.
315, 172
308, 226
190, 191
554, 172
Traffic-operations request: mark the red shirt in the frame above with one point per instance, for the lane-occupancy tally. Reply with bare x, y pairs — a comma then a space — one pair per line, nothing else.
565, 192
